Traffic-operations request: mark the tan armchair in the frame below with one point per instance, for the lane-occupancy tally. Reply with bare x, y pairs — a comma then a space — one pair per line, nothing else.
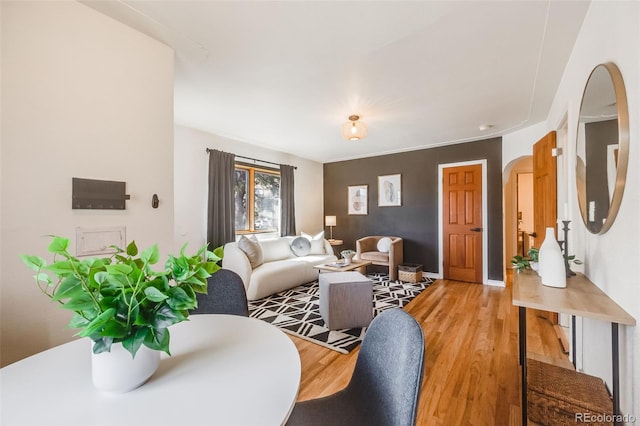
367, 249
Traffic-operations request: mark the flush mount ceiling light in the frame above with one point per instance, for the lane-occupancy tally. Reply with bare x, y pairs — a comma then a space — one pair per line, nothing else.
354, 130
484, 127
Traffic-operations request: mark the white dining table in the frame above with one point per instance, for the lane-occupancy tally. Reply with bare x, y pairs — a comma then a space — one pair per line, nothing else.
224, 370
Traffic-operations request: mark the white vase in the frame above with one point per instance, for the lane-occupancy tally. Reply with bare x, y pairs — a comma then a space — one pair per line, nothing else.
117, 371
551, 262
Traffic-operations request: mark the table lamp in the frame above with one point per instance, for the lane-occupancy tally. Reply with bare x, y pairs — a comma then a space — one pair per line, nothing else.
330, 221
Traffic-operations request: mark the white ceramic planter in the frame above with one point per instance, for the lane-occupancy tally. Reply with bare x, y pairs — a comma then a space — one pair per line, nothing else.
347, 257
117, 371
551, 269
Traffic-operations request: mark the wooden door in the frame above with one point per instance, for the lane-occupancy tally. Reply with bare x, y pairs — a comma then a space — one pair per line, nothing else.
545, 211
462, 223
544, 187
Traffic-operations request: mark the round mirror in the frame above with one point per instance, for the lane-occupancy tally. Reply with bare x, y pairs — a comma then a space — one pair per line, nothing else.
602, 148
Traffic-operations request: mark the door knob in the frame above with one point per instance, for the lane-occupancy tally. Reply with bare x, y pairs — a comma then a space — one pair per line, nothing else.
476, 229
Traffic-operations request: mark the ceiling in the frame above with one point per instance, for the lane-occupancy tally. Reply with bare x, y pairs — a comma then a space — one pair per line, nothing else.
285, 75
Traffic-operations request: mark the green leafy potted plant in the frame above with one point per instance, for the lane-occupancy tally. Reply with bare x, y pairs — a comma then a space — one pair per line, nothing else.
521, 263
121, 298
123, 305
531, 261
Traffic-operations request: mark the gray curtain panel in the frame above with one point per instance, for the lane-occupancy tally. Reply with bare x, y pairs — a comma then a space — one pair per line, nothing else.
221, 208
288, 213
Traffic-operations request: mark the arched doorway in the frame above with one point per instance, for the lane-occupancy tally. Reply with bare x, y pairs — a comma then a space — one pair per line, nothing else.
518, 207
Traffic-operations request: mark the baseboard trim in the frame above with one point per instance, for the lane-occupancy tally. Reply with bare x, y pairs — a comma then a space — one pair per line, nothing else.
437, 276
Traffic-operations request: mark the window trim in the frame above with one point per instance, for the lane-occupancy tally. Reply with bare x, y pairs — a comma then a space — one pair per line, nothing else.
252, 169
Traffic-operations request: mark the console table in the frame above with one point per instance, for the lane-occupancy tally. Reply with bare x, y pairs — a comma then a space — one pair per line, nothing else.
580, 298
224, 370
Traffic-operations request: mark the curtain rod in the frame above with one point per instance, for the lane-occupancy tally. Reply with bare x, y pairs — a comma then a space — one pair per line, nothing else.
254, 159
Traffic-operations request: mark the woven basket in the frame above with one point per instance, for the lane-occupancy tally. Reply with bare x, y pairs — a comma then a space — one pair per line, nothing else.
559, 396
410, 277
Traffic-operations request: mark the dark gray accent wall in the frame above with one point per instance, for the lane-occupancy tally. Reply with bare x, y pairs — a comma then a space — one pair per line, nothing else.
598, 135
416, 221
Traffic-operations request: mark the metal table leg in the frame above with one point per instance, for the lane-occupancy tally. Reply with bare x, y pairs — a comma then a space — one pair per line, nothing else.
616, 372
522, 338
573, 340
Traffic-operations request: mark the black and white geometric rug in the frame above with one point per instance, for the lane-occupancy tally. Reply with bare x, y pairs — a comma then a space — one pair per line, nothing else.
297, 311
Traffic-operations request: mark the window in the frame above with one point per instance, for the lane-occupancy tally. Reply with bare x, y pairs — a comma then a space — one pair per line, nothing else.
257, 199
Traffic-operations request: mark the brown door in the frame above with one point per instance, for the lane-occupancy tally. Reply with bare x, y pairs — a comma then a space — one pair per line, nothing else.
545, 212
544, 187
462, 222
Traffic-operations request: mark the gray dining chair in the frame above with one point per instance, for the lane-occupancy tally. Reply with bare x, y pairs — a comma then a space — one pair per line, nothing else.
225, 295
385, 386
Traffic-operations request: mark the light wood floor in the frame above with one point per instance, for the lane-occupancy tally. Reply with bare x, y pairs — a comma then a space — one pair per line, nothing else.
471, 360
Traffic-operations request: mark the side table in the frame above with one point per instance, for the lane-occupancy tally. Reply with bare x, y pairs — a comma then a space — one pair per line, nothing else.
335, 243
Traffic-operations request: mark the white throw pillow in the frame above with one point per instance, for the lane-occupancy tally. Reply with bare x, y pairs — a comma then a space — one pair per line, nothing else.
252, 249
384, 245
276, 249
317, 242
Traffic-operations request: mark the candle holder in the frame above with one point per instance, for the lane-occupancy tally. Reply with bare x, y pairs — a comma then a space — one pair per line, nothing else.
565, 248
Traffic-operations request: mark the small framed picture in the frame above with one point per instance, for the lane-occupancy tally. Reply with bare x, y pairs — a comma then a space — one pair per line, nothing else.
389, 190
357, 199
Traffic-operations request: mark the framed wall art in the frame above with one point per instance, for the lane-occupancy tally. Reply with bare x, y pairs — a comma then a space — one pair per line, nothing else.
357, 199
389, 190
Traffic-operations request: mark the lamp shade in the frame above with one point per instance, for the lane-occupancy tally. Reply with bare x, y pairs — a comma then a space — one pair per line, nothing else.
329, 221
354, 130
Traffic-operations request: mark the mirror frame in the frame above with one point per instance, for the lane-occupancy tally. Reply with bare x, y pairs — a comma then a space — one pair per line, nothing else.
623, 150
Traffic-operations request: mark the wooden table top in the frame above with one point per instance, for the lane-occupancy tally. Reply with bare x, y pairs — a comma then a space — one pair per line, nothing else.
581, 297
355, 264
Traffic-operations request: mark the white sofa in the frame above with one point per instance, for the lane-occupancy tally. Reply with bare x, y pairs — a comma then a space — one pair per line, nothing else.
281, 268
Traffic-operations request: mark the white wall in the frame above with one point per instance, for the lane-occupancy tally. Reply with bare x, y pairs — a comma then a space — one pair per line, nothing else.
191, 163
520, 144
610, 32
82, 96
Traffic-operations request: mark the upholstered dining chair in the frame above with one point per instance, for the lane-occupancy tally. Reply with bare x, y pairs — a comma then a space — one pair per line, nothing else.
225, 295
385, 386
381, 250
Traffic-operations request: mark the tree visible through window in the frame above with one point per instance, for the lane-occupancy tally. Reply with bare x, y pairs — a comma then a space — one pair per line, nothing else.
257, 199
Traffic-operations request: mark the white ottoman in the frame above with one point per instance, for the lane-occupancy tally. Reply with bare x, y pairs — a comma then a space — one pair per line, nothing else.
346, 299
